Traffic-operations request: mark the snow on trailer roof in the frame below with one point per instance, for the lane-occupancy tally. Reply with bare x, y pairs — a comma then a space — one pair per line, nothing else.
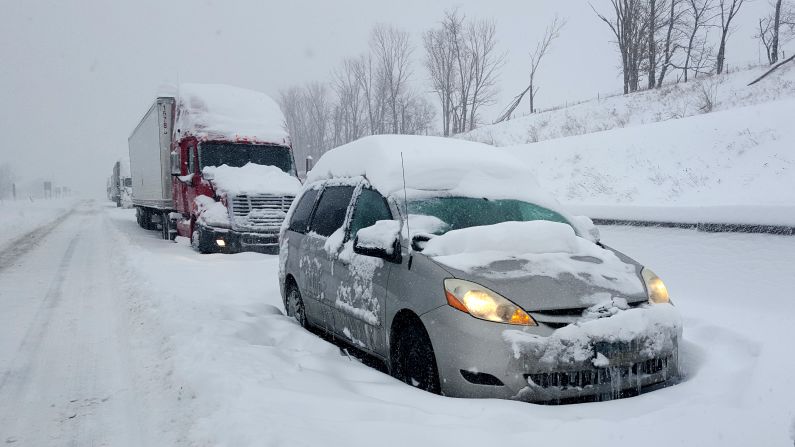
217, 111
435, 164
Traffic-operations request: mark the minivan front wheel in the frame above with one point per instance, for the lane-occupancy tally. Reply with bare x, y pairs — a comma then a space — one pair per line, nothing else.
295, 306
413, 360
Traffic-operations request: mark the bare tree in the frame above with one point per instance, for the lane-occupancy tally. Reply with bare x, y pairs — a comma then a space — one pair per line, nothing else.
440, 62
463, 63
777, 29
700, 13
551, 33
486, 62
728, 11
349, 111
392, 52
629, 24
673, 35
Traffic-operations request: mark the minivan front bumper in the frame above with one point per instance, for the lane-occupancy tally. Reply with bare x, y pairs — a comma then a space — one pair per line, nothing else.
582, 361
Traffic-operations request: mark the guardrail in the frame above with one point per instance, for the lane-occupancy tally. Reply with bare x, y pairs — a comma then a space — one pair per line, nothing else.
710, 227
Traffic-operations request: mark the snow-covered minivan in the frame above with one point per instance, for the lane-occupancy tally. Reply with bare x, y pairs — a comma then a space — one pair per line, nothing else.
446, 260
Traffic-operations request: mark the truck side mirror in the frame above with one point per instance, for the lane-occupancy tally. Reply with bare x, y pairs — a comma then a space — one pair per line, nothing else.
176, 169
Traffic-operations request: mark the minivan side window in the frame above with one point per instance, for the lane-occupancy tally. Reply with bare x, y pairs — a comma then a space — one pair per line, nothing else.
330, 213
370, 208
303, 211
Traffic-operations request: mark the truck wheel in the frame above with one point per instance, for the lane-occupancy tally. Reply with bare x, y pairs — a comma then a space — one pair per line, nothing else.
203, 241
165, 225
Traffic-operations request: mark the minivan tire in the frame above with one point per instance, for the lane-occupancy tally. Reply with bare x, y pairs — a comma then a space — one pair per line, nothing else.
413, 361
294, 305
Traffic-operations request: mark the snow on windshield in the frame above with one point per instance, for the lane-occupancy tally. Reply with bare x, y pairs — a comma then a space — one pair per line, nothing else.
216, 111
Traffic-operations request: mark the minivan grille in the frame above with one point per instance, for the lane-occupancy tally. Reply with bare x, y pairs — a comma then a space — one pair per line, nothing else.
259, 212
597, 376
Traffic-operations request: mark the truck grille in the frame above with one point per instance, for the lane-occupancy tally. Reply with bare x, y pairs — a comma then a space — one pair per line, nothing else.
259, 212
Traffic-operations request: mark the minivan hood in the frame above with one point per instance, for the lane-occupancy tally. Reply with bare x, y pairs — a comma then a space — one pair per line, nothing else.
539, 265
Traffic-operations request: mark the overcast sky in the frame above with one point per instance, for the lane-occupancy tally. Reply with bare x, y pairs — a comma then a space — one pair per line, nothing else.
77, 76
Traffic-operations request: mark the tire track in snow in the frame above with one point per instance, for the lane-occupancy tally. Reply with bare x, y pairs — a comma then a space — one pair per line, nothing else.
35, 333
18, 247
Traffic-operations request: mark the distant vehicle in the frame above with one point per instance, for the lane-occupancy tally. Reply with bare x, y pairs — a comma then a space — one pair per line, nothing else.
467, 280
212, 163
119, 184
115, 185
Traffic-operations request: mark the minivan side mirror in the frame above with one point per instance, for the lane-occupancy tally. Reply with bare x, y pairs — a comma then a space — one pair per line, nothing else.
381, 240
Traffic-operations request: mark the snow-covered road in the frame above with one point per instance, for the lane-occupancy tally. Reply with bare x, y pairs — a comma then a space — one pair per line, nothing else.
65, 375
109, 336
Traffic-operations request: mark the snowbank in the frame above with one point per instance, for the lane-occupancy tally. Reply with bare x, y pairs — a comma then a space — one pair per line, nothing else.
251, 179
215, 111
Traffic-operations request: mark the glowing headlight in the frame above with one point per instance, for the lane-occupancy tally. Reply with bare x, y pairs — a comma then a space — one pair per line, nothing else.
658, 293
483, 303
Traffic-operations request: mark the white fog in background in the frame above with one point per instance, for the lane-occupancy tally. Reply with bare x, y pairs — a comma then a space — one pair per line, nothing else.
77, 76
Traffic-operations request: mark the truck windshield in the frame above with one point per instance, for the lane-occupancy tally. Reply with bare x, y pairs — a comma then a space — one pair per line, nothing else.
443, 214
237, 155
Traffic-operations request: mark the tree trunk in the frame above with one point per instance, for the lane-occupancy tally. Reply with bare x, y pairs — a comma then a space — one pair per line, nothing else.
722, 50
774, 42
652, 43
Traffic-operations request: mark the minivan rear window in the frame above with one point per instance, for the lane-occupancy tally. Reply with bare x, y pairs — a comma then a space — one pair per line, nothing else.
330, 213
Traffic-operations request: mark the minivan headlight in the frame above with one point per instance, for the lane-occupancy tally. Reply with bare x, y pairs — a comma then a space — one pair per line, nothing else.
485, 304
655, 287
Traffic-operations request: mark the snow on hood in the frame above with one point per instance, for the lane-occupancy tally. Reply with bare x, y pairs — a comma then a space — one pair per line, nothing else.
216, 111
535, 248
438, 166
251, 179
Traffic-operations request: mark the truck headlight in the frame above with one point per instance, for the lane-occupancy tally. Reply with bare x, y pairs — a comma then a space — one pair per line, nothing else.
484, 304
655, 288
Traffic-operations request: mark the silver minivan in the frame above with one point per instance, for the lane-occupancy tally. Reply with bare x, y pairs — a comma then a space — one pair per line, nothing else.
444, 259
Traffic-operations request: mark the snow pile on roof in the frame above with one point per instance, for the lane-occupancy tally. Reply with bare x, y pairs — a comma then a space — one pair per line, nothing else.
538, 248
251, 179
216, 111
431, 164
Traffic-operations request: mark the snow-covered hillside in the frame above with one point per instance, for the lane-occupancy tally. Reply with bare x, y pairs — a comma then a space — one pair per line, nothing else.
655, 156
707, 164
674, 101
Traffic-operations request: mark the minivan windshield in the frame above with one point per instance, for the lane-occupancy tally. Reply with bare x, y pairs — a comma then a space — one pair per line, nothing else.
439, 215
237, 155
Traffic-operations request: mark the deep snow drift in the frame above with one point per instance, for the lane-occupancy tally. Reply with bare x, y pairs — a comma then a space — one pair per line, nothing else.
248, 375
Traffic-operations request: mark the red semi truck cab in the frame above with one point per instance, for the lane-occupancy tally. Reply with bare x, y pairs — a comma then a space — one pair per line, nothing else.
217, 167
